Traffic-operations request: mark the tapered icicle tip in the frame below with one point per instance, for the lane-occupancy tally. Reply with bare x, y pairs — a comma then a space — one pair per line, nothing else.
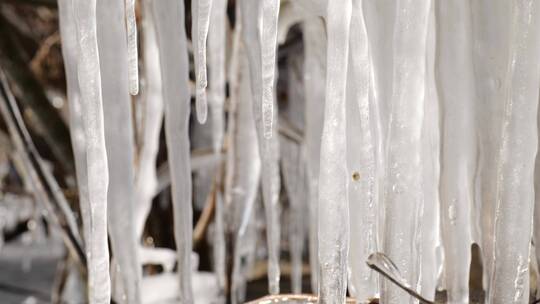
201, 105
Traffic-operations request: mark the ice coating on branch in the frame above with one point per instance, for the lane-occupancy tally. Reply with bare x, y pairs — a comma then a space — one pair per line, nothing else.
314, 83
173, 54
361, 162
89, 77
132, 54
120, 147
200, 12
146, 178
268, 146
515, 166
333, 208
403, 181
455, 77
269, 29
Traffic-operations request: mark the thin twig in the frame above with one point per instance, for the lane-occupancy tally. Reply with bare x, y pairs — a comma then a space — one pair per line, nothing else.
45, 186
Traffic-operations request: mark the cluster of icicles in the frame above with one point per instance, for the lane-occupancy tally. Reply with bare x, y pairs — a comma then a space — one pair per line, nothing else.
418, 137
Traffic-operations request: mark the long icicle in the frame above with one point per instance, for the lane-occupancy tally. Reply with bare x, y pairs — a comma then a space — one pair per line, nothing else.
333, 197
362, 173
96, 155
455, 76
120, 148
200, 20
268, 146
314, 79
216, 94
404, 170
173, 54
269, 29
515, 167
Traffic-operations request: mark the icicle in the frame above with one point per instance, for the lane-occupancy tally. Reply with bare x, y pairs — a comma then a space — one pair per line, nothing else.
200, 15
490, 64
216, 60
314, 79
70, 51
515, 166
96, 154
120, 147
146, 179
269, 28
428, 237
243, 168
133, 57
403, 192
293, 161
169, 18
458, 142
268, 146
333, 198
362, 188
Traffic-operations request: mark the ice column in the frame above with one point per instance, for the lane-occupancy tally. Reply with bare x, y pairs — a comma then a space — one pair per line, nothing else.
268, 146
361, 163
169, 18
403, 191
455, 77
97, 249
333, 204
428, 237
515, 167
120, 148
314, 79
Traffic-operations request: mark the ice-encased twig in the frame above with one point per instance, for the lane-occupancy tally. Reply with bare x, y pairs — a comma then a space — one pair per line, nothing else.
455, 77
132, 54
314, 79
333, 197
515, 166
403, 181
268, 146
96, 155
173, 54
200, 20
269, 28
120, 147
361, 163
146, 179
